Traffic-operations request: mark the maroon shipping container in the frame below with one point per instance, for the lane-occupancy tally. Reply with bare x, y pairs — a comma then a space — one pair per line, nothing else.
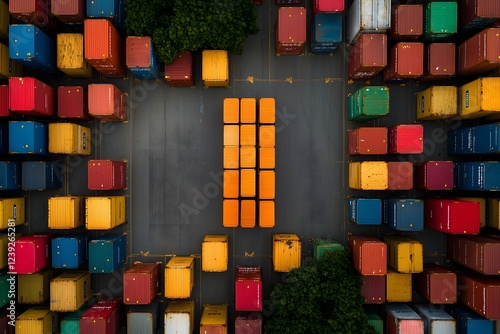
480, 53
138, 51
400, 175
107, 103
452, 216
480, 293
328, 6
68, 11
475, 252
407, 23
247, 323
434, 175
4, 102
367, 141
291, 30
104, 317
5, 327
406, 139
30, 96
406, 61
470, 11
373, 289
180, 73
369, 255
141, 283
106, 175
440, 61
36, 12
437, 284
32, 254
72, 102
368, 56
248, 289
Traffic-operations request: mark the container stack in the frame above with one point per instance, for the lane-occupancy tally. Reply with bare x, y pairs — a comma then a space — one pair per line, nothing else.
180, 73
291, 31
326, 26
140, 58
248, 300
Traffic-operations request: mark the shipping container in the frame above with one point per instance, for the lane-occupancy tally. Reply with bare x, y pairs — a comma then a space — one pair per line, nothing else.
214, 253
4, 21
326, 32
69, 138
4, 96
4, 138
66, 212
365, 211
368, 16
248, 289
322, 246
482, 207
460, 141
230, 187
369, 255
406, 215
70, 323
179, 277
267, 214
401, 318
328, 6
107, 175
70, 12
10, 175
493, 213
469, 322
480, 53
72, 102
475, 15
439, 61
407, 22
475, 252
291, 30
12, 211
477, 175
141, 283
248, 156
375, 321
4, 247
230, 212
114, 10
406, 139
34, 288
70, 251
231, 136
404, 254
248, 213
368, 103
104, 317
400, 175
480, 139
30, 96
452, 216
436, 320
180, 72
214, 319
479, 98
436, 284
248, 182
368, 175
179, 317
69, 291
287, 252
41, 175
106, 253
437, 102
231, 157
230, 110
406, 61
215, 68
398, 286
70, 58
367, 140
32, 254
248, 110
247, 322
104, 212
32, 11
37, 320
267, 184
8, 67
107, 103
480, 293
440, 20
368, 56
140, 58
373, 289
267, 136
5, 288
144, 318
434, 175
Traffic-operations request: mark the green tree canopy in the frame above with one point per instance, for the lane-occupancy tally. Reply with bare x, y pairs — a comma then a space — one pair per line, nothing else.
191, 25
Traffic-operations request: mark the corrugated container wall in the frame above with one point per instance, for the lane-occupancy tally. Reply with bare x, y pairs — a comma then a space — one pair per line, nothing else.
365, 211
141, 283
66, 212
106, 253
407, 23
69, 138
435, 175
214, 319
33, 11
104, 212
368, 175
179, 277
215, 68
436, 102
27, 137
247, 323
404, 214
406, 61
321, 246
214, 253
291, 30
475, 252
368, 56
452, 216
475, 15
375, 321
328, 6
368, 103
439, 61
34, 288
5, 20
248, 289
104, 317
69, 291
180, 73
373, 289
482, 207
70, 58
140, 58
479, 98
68, 11
30, 96
41, 175
436, 284
481, 294
179, 316
480, 53
440, 20
37, 320
406, 139
107, 102
32, 253
477, 175
400, 175
367, 140
70, 251
287, 250
398, 286
114, 10
72, 102
106, 175
369, 255
405, 255
368, 16
326, 32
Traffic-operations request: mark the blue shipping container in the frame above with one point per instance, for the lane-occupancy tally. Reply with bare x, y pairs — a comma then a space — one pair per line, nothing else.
485, 139
114, 10
41, 175
477, 175
4, 139
27, 137
106, 253
32, 47
469, 322
326, 32
10, 175
145, 73
365, 211
70, 251
460, 141
404, 214
144, 318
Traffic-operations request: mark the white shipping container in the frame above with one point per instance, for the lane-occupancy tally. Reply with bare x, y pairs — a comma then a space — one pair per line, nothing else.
179, 317
436, 320
368, 16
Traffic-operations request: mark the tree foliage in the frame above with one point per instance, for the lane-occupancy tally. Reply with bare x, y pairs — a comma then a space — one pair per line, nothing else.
319, 298
191, 25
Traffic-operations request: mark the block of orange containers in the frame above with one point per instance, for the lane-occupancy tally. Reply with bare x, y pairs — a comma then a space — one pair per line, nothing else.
368, 56
106, 175
107, 103
406, 61
102, 317
291, 30
452, 216
434, 175
180, 73
32, 254
287, 252
439, 61
406, 139
72, 102
248, 289
437, 284
30, 96
369, 255
141, 283
140, 58
68, 11
367, 140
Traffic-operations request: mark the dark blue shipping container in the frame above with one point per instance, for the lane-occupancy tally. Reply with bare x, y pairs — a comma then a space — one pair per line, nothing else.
27, 137
70, 251
485, 139
460, 141
477, 175
145, 73
114, 10
365, 211
41, 175
10, 175
4, 139
106, 253
32, 47
404, 214
326, 32
469, 322
144, 318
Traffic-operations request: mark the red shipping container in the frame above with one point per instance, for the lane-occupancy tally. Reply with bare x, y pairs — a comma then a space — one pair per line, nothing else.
68, 11
72, 102
4, 102
440, 61
247, 323
406, 139
248, 289
366, 140
452, 216
31, 254
30, 96
104, 48
328, 6
141, 283
400, 175
435, 175
138, 51
36, 12
407, 23
180, 73
474, 11
368, 56
373, 289
480, 53
369, 255
475, 252
291, 30
480, 293
406, 61
106, 175
107, 103
104, 317
437, 284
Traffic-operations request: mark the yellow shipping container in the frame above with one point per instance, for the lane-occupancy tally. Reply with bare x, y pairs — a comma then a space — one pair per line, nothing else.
70, 58
231, 110
34, 288
248, 110
214, 253
104, 213
214, 319
286, 252
437, 102
215, 68
482, 207
368, 175
37, 320
11, 209
69, 138
178, 313
398, 286
8, 67
493, 213
66, 212
69, 291
479, 98
267, 110
4, 246
179, 277
4, 21
404, 254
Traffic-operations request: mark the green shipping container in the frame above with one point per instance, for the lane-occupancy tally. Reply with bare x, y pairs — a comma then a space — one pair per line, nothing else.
4, 288
70, 324
375, 321
324, 245
440, 20
368, 103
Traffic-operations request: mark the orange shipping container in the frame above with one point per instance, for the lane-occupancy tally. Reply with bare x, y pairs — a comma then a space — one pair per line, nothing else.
266, 213
267, 110
231, 110
248, 135
231, 135
248, 183
266, 184
267, 157
248, 157
230, 212
107, 103
248, 110
247, 213
267, 136
231, 157
230, 183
